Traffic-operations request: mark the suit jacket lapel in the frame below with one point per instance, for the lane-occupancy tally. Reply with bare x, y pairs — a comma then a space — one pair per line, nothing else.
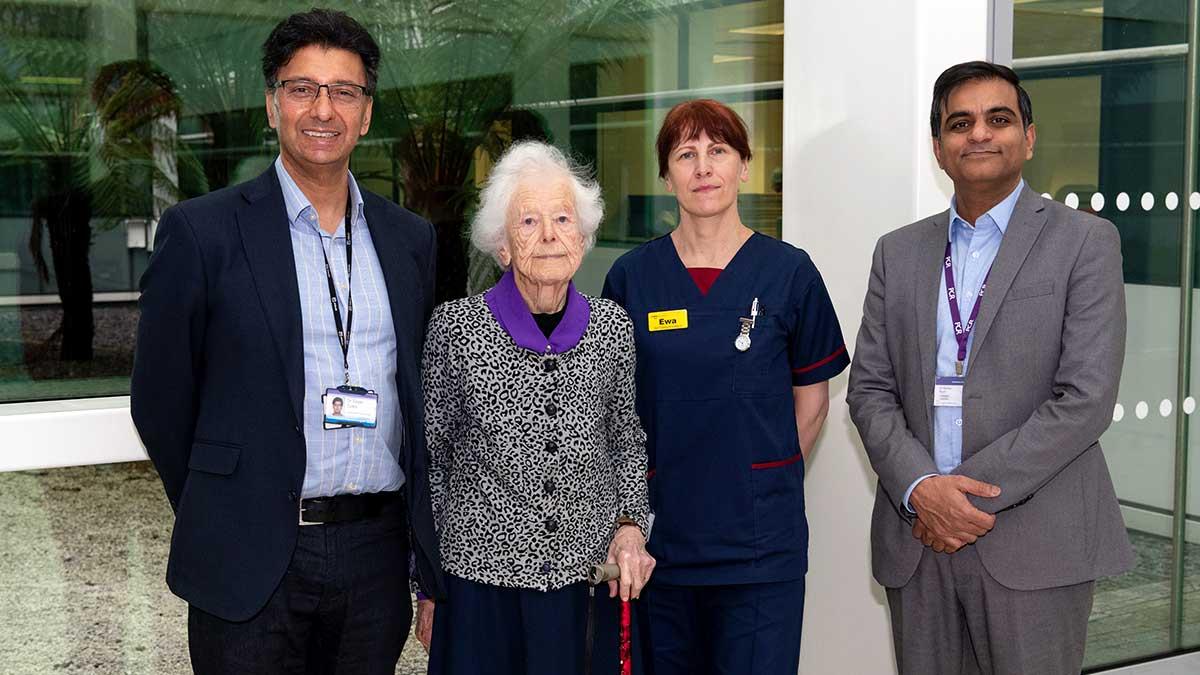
267, 243
929, 274
1026, 224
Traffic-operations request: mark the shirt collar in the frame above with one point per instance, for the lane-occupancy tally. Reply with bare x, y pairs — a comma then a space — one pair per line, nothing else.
999, 214
509, 308
301, 214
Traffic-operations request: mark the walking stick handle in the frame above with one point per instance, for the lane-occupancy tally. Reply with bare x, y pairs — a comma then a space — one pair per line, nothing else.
599, 574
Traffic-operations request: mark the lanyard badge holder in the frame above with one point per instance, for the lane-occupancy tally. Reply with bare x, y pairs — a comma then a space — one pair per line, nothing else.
948, 390
346, 406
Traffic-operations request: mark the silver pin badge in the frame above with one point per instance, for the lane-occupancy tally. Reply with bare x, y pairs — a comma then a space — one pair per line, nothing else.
742, 343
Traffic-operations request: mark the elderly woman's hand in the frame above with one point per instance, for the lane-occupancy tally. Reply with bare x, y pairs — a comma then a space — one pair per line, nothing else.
425, 609
628, 551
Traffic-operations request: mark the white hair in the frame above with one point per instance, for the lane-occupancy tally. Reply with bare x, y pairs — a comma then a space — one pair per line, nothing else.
520, 161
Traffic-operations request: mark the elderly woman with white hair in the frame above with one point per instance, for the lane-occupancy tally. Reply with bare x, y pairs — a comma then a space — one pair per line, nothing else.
537, 458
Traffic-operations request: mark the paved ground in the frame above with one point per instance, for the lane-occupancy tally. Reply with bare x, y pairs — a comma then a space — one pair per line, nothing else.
82, 557
83, 551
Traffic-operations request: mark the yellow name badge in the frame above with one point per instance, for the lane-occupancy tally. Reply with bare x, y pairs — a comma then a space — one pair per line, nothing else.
674, 319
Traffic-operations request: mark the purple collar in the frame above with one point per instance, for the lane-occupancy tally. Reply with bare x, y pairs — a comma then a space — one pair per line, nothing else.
513, 315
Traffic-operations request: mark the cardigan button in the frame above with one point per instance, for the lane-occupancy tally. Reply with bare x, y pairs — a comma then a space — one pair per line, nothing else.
551, 409
551, 446
548, 486
550, 365
551, 525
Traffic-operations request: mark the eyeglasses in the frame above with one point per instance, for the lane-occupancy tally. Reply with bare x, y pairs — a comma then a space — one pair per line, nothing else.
306, 91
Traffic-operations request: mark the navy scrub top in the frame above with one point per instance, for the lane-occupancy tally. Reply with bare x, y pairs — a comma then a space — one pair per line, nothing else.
726, 474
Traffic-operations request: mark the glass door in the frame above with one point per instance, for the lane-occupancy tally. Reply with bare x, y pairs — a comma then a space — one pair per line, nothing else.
1110, 86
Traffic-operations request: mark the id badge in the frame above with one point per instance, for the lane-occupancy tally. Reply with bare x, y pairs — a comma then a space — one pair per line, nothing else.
346, 407
948, 392
675, 319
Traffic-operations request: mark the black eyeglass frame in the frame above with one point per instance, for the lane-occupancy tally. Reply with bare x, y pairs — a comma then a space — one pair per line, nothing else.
366, 93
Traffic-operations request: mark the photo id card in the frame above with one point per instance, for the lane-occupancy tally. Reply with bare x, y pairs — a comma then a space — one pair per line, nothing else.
948, 392
347, 407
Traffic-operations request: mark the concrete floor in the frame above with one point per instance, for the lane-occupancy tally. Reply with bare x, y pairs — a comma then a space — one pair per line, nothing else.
83, 553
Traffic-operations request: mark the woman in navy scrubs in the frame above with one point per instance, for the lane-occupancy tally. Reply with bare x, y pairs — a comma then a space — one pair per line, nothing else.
736, 341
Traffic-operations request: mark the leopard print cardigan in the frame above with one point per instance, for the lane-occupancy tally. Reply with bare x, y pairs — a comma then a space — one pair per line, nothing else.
532, 457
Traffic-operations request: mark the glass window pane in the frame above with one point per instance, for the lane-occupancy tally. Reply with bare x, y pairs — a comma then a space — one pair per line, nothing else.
1050, 27
110, 113
1110, 141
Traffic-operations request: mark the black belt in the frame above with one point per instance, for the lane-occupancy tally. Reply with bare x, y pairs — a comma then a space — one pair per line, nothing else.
346, 508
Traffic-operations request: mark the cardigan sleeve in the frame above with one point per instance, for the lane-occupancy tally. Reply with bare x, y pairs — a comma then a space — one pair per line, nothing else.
627, 440
443, 408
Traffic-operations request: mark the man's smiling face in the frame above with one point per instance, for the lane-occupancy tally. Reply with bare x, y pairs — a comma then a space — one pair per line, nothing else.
983, 141
320, 133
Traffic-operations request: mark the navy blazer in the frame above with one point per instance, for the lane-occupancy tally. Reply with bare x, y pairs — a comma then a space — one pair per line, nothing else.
218, 380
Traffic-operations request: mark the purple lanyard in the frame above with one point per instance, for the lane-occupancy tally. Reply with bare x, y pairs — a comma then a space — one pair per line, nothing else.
961, 333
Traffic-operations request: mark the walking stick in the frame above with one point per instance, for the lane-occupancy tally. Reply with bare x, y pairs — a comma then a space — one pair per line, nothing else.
600, 574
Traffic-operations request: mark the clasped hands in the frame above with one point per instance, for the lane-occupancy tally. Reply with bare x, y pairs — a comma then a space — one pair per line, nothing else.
946, 521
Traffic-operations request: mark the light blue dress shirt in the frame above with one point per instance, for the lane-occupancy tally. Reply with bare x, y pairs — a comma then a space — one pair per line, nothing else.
357, 460
973, 250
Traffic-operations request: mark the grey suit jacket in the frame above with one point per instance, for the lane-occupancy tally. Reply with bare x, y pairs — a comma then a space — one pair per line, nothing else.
1044, 367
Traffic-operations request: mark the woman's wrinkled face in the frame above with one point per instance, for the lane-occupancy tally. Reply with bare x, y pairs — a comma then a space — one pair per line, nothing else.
542, 240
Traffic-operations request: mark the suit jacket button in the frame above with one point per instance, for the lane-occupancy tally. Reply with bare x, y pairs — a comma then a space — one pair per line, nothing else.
298, 431
292, 495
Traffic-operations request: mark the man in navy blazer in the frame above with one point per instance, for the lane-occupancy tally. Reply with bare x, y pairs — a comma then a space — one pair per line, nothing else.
262, 302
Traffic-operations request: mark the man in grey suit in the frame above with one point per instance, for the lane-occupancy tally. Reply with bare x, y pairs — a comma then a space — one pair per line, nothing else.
986, 370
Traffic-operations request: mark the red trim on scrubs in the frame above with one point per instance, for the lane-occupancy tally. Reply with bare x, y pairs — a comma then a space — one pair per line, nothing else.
704, 277
779, 462
818, 364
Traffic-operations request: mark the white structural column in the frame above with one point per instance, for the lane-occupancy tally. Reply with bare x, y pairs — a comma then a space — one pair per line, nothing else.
857, 163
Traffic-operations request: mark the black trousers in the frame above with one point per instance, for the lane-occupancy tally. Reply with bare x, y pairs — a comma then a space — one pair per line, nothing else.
342, 607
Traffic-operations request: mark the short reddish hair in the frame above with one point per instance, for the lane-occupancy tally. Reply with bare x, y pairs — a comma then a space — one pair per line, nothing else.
685, 122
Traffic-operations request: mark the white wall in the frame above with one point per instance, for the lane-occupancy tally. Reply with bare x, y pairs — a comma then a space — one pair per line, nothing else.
857, 164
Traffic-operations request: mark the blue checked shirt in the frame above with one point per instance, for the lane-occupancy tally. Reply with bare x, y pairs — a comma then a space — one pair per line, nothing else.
973, 250
344, 460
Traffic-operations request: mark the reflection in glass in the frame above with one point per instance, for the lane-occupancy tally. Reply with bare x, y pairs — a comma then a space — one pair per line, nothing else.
110, 113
